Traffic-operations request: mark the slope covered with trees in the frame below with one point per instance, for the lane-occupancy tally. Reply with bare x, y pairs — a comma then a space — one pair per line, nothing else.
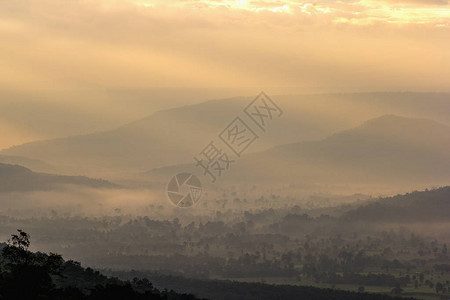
430, 205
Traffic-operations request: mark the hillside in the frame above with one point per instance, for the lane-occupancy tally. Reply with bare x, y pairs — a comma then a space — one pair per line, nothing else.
15, 178
388, 149
385, 149
28, 275
160, 139
35, 165
432, 205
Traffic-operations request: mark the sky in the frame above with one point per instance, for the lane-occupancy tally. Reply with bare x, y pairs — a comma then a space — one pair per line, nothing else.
366, 44
77, 53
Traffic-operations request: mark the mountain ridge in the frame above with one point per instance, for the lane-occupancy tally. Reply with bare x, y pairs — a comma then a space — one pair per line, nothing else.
16, 178
360, 153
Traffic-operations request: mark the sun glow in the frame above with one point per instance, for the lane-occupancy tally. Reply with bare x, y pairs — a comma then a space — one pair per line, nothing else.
363, 12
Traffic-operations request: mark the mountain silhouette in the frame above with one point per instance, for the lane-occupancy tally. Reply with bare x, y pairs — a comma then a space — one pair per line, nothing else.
15, 178
34, 164
387, 149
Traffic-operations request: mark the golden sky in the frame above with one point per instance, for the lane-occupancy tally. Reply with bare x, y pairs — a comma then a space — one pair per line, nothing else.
286, 46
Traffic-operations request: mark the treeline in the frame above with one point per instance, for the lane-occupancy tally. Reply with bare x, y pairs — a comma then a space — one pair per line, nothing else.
225, 289
364, 280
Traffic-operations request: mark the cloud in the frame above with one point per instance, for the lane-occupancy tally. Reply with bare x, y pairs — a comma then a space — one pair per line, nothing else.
422, 2
112, 44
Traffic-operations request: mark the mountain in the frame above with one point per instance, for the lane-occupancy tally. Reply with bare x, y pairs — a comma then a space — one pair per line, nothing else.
174, 136
35, 165
389, 149
15, 178
165, 137
385, 148
429, 205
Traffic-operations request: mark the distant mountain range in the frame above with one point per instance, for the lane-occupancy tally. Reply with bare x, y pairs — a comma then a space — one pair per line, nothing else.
15, 178
174, 136
388, 149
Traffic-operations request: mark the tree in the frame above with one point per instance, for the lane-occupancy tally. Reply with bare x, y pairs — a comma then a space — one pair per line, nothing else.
397, 291
16, 250
22, 240
439, 287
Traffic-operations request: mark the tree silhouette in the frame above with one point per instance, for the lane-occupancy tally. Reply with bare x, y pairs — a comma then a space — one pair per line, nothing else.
27, 274
16, 250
